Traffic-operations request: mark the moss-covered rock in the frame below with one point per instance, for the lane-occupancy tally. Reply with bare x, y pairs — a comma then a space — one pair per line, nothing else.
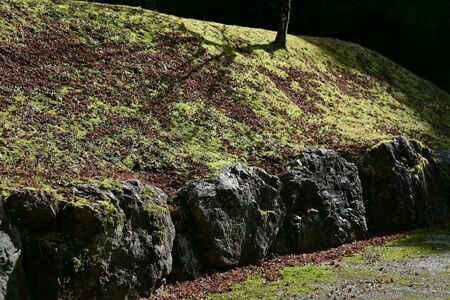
32, 209
103, 242
403, 186
443, 159
226, 221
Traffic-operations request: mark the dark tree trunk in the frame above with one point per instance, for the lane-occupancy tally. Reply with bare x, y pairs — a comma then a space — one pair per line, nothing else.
149, 4
280, 40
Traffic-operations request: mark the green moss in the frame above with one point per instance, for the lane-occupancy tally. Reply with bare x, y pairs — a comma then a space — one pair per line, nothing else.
181, 96
296, 281
157, 211
400, 253
417, 172
265, 214
108, 212
367, 270
386, 141
417, 245
79, 201
420, 237
252, 288
357, 259
152, 204
305, 279
77, 264
5, 191
105, 184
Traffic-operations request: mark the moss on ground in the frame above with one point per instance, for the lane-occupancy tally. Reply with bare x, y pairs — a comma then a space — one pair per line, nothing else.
90, 90
296, 280
413, 266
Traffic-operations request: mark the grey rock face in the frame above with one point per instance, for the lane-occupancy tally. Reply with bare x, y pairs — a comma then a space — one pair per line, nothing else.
108, 243
12, 280
185, 264
403, 186
443, 156
226, 221
32, 209
443, 160
323, 198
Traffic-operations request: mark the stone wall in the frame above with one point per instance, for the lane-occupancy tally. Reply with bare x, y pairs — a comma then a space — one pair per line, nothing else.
121, 240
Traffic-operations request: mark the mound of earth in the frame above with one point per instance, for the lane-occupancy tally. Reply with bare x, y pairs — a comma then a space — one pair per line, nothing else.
92, 90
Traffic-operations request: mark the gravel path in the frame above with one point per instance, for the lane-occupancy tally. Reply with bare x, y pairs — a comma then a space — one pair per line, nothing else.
414, 274
416, 266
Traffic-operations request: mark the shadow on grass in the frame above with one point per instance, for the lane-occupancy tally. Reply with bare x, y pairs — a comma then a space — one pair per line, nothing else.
200, 63
427, 239
230, 46
374, 64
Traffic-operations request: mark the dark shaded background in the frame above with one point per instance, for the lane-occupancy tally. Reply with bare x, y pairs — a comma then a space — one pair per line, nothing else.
413, 33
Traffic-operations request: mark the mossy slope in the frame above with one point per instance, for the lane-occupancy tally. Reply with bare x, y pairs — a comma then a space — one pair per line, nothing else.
90, 90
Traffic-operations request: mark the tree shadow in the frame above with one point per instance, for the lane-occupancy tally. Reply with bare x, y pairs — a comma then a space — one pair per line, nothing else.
229, 49
269, 48
205, 76
428, 239
231, 46
225, 58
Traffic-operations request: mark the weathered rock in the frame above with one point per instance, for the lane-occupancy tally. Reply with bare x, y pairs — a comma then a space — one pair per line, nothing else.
185, 264
403, 186
443, 160
108, 243
443, 156
323, 198
12, 280
226, 221
32, 209
29, 214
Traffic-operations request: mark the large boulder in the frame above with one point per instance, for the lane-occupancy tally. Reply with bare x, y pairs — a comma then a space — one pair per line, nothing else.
403, 186
32, 209
12, 280
105, 242
323, 198
226, 221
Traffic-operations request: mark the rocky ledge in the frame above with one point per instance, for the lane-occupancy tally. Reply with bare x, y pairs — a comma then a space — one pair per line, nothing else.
324, 204
108, 243
118, 240
403, 186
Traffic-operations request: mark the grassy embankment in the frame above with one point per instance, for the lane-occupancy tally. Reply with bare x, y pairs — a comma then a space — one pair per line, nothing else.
97, 91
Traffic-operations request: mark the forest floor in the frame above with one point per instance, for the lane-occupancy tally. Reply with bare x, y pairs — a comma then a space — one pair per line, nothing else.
410, 266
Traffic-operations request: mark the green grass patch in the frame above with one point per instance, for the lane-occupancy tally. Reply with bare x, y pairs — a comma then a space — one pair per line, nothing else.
374, 267
296, 280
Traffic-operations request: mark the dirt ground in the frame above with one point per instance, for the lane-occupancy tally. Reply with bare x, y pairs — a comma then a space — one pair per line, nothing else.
412, 266
394, 272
